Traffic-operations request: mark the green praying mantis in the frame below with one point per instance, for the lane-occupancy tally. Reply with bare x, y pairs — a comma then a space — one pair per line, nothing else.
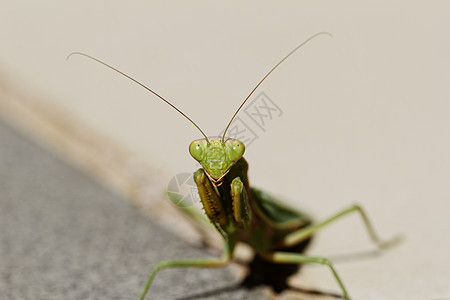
244, 214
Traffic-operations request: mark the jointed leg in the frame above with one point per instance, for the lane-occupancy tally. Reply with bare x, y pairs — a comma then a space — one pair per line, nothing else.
292, 258
241, 205
189, 263
200, 222
303, 233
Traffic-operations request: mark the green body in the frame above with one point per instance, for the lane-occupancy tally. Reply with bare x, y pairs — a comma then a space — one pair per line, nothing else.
262, 223
244, 214
240, 213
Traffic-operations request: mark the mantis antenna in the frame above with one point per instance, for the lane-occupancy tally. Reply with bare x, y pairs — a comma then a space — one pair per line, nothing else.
142, 85
267, 75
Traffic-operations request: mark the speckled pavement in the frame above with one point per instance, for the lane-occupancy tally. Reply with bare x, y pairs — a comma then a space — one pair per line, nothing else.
64, 236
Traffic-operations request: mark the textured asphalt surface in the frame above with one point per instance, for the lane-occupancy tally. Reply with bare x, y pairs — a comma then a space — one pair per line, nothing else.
63, 236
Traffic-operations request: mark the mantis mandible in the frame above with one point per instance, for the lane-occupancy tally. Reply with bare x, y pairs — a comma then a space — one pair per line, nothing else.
244, 214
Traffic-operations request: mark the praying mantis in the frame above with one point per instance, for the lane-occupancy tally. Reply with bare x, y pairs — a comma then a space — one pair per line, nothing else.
244, 214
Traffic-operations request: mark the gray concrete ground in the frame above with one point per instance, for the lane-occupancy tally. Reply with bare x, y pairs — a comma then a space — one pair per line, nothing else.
63, 236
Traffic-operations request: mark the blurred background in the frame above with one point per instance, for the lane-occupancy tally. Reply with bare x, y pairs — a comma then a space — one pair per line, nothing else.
360, 117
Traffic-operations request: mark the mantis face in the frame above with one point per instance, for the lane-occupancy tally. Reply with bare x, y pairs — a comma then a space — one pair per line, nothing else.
217, 156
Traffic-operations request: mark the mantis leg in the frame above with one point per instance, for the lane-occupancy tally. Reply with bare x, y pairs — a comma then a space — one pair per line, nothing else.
200, 222
303, 233
294, 258
190, 263
241, 206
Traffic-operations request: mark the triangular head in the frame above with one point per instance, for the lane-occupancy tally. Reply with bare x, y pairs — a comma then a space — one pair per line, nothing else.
216, 155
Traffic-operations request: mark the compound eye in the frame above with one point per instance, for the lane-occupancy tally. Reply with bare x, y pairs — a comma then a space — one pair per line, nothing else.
197, 149
235, 149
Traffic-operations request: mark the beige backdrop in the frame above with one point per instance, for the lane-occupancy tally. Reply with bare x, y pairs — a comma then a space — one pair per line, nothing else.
365, 114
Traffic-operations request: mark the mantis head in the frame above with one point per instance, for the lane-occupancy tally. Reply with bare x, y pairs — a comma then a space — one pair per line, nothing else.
216, 155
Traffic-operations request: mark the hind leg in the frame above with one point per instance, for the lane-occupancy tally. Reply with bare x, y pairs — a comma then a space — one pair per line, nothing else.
268, 273
306, 232
294, 258
190, 263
